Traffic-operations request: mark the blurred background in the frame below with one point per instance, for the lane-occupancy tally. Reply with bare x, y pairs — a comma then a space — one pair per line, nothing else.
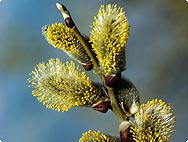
157, 55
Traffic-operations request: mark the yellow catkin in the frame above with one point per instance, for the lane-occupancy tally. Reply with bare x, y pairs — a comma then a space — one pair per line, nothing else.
96, 136
62, 86
62, 37
154, 122
109, 36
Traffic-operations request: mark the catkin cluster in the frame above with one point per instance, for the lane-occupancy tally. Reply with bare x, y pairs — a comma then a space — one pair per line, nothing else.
62, 85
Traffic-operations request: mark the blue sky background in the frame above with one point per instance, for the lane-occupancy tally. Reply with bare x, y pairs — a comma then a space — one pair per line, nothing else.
157, 55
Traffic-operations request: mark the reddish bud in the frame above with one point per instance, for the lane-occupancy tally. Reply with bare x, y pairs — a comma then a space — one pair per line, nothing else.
88, 66
126, 136
69, 23
102, 106
111, 80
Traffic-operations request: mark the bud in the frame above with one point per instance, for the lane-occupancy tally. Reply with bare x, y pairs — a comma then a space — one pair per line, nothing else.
111, 80
88, 66
102, 105
127, 96
125, 133
66, 15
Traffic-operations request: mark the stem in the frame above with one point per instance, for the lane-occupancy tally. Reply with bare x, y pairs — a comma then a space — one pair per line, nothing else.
115, 106
82, 41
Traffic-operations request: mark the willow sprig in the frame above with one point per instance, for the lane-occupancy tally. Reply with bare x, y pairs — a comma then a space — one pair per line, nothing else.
62, 85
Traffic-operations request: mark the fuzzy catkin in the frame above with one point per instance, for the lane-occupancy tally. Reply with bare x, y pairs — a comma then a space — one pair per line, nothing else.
154, 122
60, 36
62, 86
108, 37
